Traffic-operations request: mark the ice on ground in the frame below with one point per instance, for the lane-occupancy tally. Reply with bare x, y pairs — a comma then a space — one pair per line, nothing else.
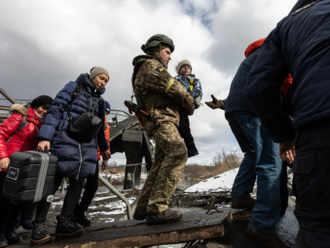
222, 182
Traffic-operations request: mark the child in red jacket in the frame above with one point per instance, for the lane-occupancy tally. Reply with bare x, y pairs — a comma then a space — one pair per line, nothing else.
18, 133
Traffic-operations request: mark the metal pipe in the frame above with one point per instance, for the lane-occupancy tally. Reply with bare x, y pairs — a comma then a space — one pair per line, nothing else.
9, 98
117, 193
25, 100
4, 108
125, 165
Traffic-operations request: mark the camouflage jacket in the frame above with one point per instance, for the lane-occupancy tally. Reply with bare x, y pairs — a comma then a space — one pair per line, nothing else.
153, 77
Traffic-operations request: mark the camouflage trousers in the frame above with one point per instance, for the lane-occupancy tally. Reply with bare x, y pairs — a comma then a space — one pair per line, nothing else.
170, 159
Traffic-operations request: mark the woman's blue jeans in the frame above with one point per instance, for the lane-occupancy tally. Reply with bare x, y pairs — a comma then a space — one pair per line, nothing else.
261, 161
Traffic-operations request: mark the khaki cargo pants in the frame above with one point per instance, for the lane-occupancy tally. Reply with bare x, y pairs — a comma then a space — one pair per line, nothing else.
170, 159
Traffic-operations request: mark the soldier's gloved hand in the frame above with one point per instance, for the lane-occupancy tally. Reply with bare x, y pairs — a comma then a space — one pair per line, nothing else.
215, 104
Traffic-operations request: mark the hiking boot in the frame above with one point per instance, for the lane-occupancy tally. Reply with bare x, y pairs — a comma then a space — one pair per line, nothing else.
137, 216
81, 218
272, 241
40, 235
166, 216
241, 203
3, 241
12, 238
67, 227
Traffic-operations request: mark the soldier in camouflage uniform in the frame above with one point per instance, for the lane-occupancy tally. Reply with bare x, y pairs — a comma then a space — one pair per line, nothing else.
162, 96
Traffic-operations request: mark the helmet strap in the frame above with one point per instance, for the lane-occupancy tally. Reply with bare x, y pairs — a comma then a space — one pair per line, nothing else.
158, 49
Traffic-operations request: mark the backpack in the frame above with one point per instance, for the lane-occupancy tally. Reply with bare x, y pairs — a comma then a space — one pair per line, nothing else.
21, 126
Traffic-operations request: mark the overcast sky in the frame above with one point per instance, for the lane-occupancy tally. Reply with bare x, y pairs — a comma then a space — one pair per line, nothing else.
46, 44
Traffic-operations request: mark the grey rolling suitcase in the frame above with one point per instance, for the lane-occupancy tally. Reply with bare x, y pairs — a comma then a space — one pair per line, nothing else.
30, 177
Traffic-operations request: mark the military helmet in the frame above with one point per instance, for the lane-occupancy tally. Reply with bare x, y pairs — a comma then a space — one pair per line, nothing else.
156, 40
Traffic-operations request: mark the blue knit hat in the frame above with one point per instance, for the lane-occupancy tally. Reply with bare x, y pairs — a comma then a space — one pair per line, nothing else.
107, 106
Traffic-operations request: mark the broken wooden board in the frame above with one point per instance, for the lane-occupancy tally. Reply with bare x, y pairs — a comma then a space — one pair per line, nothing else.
236, 236
132, 233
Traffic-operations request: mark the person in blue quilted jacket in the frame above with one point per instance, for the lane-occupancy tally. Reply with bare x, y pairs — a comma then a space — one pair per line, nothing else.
194, 87
76, 158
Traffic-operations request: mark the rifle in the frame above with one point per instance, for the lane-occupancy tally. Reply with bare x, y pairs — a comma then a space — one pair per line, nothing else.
139, 112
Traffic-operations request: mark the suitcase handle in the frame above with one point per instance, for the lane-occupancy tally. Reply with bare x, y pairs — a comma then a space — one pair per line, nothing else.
45, 151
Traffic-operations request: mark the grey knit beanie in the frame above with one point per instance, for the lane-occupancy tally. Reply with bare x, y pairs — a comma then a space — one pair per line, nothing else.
96, 70
180, 64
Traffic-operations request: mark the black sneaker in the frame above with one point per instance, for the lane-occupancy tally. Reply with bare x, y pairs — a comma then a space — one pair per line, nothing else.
3, 241
137, 216
67, 227
164, 217
40, 235
12, 238
81, 218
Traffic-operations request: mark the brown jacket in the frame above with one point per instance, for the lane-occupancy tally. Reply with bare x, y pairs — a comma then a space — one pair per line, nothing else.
150, 78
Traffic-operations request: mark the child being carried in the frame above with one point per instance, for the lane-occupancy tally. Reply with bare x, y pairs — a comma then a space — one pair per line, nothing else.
194, 87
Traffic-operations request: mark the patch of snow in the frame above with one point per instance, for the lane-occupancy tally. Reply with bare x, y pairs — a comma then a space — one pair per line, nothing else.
92, 207
103, 198
222, 182
120, 206
113, 176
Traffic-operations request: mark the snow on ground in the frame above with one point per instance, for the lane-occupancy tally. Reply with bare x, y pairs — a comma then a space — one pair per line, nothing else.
120, 206
103, 198
222, 182
113, 176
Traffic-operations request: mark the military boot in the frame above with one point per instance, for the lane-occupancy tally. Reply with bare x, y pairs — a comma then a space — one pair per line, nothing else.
67, 227
164, 217
40, 235
138, 216
13, 238
3, 241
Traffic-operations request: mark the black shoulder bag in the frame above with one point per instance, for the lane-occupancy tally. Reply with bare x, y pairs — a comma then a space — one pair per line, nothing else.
86, 126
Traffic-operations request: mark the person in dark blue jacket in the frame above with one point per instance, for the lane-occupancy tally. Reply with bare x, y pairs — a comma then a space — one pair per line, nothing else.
260, 160
76, 160
300, 45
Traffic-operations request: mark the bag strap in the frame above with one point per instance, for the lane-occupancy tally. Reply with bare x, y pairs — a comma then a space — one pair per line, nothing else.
21, 126
77, 92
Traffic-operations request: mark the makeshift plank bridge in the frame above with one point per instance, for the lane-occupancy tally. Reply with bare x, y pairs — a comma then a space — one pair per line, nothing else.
132, 233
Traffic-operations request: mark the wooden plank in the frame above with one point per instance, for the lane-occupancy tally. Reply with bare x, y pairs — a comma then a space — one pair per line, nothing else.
194, 225
155, 239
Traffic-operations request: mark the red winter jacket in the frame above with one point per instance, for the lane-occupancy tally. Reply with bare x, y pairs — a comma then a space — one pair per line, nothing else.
24, 140
254, 46
107, 136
